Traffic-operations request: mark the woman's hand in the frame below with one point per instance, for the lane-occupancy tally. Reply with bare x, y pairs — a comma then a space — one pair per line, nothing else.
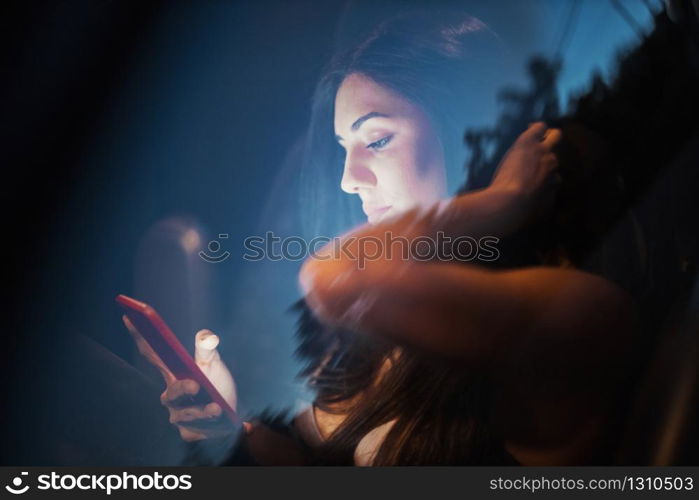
528, 170
194, 421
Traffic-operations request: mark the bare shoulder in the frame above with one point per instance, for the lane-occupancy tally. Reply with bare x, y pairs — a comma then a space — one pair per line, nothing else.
558, 380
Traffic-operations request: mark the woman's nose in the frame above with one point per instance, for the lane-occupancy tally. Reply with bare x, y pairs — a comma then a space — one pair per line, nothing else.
356, 175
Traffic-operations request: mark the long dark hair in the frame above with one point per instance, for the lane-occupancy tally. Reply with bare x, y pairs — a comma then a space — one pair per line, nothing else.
435, 60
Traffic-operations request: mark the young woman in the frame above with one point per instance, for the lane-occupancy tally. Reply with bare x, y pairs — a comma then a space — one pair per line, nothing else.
426, 362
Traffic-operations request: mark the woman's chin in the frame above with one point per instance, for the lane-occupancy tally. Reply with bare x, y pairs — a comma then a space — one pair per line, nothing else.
379, 215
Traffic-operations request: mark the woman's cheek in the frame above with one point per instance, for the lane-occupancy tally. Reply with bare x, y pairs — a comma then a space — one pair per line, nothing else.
394, 180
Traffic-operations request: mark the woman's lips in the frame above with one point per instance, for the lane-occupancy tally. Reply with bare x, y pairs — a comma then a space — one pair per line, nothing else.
374, 214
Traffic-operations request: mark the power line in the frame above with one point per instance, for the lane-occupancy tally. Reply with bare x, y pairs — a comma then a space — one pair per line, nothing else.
566, 34
626, 15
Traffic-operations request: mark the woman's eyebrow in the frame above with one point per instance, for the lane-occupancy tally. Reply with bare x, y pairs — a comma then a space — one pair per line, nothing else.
359, 121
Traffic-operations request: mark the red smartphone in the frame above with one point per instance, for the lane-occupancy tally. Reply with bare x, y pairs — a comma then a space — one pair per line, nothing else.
175, 356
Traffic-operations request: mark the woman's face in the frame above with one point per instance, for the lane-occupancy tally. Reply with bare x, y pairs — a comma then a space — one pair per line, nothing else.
393, 157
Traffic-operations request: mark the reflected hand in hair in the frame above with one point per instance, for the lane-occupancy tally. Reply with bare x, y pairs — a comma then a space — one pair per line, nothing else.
194, 421
528, 169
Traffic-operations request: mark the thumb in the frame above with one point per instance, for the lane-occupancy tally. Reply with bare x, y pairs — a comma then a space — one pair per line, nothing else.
208, 359
205, 343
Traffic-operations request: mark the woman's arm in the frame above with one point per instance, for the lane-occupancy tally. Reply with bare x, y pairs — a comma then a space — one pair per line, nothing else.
555, 341
471, 313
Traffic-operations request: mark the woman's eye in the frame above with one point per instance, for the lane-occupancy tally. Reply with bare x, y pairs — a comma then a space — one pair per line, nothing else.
380, 143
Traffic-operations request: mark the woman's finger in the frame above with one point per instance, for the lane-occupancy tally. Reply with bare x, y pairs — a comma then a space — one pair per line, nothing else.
187, 414
207, 425
551, 138
180, 393
208, 414
207, 420
533, 134
190, 435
